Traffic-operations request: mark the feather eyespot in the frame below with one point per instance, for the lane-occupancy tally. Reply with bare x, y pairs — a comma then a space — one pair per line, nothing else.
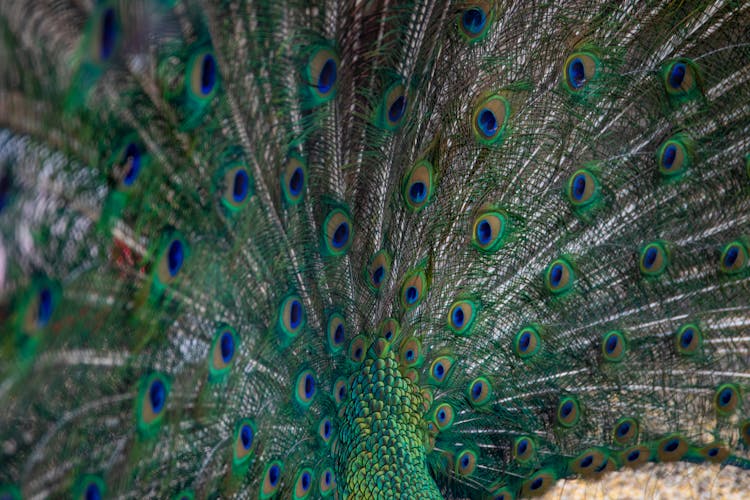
583, 188
321, 74
672, 448
681, 79
131, 160
733, 258
490, 119
568, 412
236, 187
305, 388
461, 317
203, 74
559, 276
325, 430
357, 349
418, 186
327, 481
293, 180
291, 318
389, 329
223, 351
440, 369
393, 107
524, 450
271, 479
614, 346
410, 352
443, 416
378, 270
654, 259
466, 462
488, 231
413, 289
474, 21
339, 390
337, 232
152, 401
105, 34
479, 391
38, 305
172, 258
688, 340
302, 483
88, 487
625, 430
588, 462
726, 399
527, 342
635, 456
675, 156
244, 438
581, 68
336, 332
715, 452
538, 483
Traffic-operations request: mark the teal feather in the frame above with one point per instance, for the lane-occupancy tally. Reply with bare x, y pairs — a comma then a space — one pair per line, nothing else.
371, 249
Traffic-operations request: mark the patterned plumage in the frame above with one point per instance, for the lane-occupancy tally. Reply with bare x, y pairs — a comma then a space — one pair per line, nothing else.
370, 249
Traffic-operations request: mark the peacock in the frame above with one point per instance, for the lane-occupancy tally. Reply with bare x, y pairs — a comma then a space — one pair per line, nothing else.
371, 249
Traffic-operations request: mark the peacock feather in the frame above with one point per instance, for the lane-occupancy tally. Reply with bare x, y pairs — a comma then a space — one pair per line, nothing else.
371, 249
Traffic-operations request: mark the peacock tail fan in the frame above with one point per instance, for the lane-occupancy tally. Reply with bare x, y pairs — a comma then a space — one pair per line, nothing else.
370, 249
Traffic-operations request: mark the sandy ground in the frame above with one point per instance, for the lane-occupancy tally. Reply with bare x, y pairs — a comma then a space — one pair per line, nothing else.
663, 481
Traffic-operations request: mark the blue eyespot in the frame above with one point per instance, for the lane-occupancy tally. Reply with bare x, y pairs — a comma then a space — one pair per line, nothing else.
458, 317
327, 78
579, 186
274, 473
555, 275
341, 235
157, 394
473, 20
93, 492
566, 408
175, 257
45, 307
576, 73
523, 445
397, 109
296, 181
377, 276
208, 74
309, 386
295, 314
227, 347
484, 232
487, 122
677, 75
246, 436
418, 192
108, 34
634, 455
668, 156
338, 335
240, 187
411, 295
133, 162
